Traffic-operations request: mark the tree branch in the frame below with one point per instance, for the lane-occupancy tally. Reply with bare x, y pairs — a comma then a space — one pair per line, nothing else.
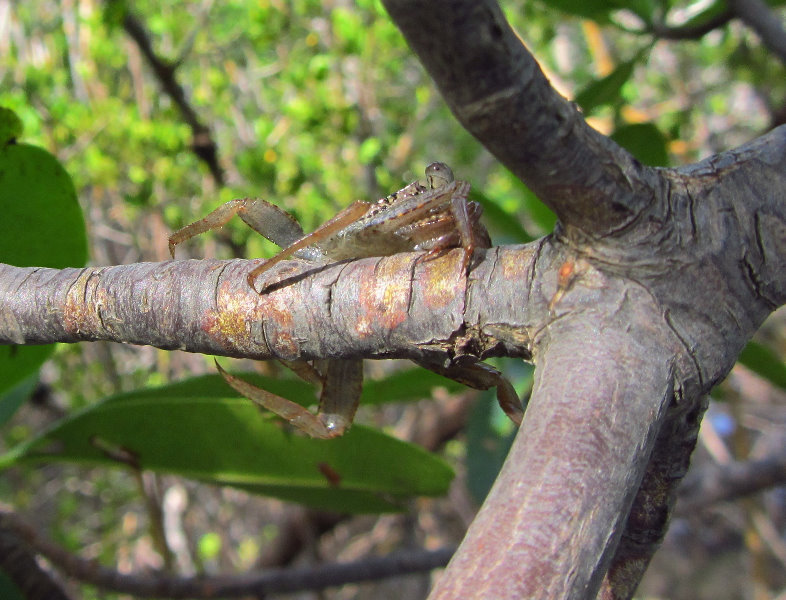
202, 141
692, 32
19, 564
570, 477
649, 516
723, 483
223, 586
399, 306
617, 313
767, 25
497, 91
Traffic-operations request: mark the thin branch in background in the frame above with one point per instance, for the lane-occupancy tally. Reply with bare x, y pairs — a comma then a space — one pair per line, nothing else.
767, 25
19, 565
691, 32
203, 144
730, 482
220, 586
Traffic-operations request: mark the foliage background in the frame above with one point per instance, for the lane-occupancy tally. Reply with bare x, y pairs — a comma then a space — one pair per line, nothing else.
312, 105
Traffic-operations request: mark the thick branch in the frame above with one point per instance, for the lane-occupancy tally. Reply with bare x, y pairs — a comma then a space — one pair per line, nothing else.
614, 327
550, 525
649, 516
380, 307
497, 91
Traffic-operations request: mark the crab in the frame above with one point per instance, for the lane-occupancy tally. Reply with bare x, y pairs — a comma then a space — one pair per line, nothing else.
431, 217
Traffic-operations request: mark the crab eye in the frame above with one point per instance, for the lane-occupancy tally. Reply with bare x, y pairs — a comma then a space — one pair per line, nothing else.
438, 175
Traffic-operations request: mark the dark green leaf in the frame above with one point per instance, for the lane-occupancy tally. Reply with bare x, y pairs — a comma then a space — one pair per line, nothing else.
230, 442
645, 142
402, 386
8, 589
487, 447
14, 398
19, 362
499, 221
540, 214
607, 89
763, 361
42, 226
589, 9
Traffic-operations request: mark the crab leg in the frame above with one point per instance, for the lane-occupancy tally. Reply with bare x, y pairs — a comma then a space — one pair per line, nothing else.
267, 219
482, 377
295, 414
349, 215
341, 387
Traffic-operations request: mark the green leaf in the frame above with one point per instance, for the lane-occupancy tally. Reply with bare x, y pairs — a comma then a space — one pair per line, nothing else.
607, 89
645, 142
498, 220
406, 386
16, 364
535, 209
42, 226
10, 126
763, 361
230, 442
8, 589
402, 386
13, 399
600, 10
589, 9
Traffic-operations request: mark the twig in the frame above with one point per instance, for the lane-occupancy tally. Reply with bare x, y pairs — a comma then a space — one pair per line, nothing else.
225, 586
760, 17
203, 144
691, 32
721, 484
19, 564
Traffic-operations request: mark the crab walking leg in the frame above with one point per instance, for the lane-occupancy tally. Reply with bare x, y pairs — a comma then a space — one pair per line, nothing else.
341, 387
295, 414
468, 238
482, 377
350, 214
458, 204
306, 371
267, 219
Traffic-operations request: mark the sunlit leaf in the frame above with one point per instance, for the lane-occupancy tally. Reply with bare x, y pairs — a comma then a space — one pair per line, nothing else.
10, 126
41, 226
